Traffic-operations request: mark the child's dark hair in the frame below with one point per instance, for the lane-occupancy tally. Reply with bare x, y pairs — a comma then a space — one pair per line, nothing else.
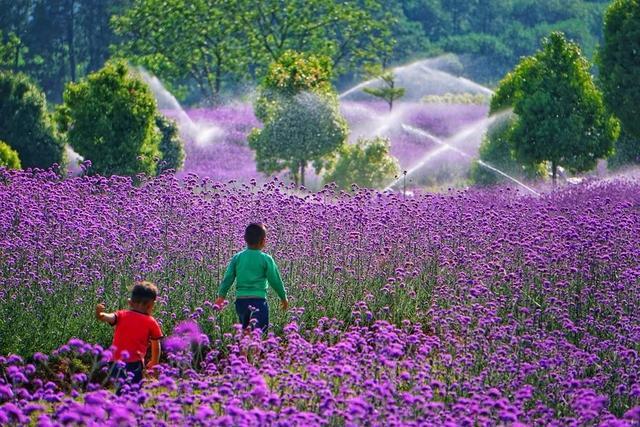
254, 234
144, 292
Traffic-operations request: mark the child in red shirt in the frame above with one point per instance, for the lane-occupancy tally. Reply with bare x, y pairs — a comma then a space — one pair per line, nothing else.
134, 330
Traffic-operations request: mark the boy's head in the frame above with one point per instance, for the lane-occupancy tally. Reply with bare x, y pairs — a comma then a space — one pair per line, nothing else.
143, 296
255, 235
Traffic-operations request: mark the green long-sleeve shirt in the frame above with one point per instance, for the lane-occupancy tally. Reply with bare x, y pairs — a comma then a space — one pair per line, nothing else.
252, 269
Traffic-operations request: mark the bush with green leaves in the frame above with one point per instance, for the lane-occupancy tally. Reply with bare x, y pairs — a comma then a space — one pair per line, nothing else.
25, 123
8, 157
367, 163
171, 145
110, 119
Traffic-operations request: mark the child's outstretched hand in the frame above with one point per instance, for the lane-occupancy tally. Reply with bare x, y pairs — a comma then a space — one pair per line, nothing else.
99, 310
284, 304
219, 302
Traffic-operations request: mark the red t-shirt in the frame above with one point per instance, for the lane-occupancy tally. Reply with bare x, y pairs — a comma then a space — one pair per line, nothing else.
132, 334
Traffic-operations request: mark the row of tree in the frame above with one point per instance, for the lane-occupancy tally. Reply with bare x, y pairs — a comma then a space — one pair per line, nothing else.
562, 117
205, 48
111, 118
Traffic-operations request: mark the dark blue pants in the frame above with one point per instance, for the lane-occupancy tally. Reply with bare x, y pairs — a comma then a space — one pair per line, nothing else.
122, 374
253, 308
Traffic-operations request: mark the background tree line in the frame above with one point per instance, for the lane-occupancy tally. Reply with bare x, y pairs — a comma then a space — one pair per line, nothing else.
206, 49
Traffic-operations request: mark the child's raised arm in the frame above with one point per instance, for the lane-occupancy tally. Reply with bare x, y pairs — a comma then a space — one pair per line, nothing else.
109, 318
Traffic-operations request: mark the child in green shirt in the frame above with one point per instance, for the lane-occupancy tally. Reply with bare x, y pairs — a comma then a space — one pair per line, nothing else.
252, 269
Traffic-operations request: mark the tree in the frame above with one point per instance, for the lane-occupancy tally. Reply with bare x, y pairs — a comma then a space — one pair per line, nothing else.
25, 123
619, 70
349, 33
59, 40
171, 145
200, 39
561, 116
8, 156
307, 128
299, 110
109, 118
388, 92
367, 163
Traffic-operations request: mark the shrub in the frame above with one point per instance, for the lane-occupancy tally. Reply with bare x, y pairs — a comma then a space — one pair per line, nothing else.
366, 163
25, 123
110, 119
8, 156
171, 145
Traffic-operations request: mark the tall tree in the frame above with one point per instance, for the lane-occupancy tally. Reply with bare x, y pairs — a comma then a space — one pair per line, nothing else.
349, 33
299, 110
619, 61
561, 114
174, 39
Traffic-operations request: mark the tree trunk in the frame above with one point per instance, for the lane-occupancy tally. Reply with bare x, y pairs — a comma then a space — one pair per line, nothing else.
71, 41
554, 172
303, 165
218, 77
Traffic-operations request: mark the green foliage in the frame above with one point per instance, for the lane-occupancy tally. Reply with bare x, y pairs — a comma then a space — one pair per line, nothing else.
25, 123
59, 40
619, 71
561, 114
492, 35
349, 33
367, 163
291, 74
8, 47
8, 156
388, 91
110, 119
200, 39
626, 153
307, 127
171, 145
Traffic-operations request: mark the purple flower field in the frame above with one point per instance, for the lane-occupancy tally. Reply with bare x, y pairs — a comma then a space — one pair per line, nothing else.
229, 156
467, 308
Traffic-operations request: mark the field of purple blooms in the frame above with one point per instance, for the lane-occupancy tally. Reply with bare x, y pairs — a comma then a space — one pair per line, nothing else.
230, 158
468, 308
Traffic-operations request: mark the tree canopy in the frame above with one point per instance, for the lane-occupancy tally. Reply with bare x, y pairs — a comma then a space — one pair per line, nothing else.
561, 117
205, 49
619, 71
